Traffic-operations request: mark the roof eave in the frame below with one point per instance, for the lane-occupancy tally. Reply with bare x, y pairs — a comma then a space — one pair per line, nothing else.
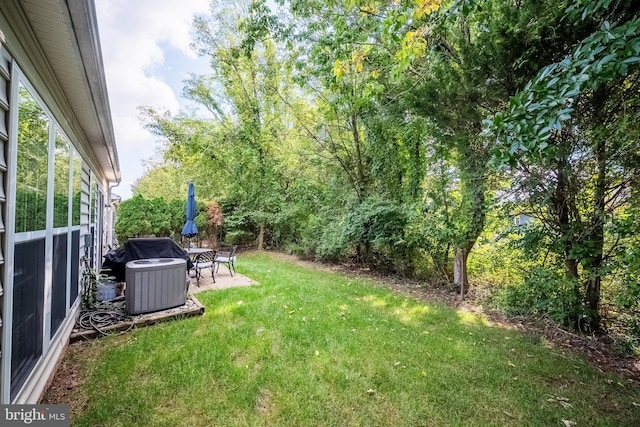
83, 18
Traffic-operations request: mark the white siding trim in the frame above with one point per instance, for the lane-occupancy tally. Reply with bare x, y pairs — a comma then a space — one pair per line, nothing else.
5, 375
69, 227
29, 235
48, 242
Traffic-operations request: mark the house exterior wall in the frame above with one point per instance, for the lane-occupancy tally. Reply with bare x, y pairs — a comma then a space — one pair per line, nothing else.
5, 68
43, 237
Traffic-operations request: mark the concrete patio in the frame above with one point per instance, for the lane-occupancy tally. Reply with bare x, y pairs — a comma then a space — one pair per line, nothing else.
223, 278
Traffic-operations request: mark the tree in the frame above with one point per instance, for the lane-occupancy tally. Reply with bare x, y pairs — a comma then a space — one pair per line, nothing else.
140, 216
214, 223
191, 152
167, 180
246, 93
572, 122
133, 219
459, 65
365, 149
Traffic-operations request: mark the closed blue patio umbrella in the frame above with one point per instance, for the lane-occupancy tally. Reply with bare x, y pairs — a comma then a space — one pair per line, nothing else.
189, 230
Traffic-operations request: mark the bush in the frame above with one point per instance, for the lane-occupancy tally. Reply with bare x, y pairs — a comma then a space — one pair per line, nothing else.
377, 227
332, 245
240, 238
139, 216
544, 293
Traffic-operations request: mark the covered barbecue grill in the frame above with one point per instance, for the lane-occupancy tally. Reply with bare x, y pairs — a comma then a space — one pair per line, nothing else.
142, 248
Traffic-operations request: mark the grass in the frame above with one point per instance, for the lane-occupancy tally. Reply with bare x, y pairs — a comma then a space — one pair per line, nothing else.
309, 347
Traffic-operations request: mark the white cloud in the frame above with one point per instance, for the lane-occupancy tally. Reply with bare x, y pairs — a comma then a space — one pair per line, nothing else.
134, 36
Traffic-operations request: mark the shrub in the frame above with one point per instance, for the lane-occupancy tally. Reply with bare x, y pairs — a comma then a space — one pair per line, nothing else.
376, 226
545, 292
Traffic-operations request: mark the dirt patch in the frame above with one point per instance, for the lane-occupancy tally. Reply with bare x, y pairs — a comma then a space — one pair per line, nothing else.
71, 375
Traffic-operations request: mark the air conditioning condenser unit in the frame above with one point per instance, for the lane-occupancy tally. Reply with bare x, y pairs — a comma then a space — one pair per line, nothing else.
155, 284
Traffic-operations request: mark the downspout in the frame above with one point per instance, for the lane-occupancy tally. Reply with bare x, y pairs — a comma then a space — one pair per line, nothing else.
110, 210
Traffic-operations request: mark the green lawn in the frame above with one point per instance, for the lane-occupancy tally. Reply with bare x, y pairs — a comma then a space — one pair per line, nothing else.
309, 347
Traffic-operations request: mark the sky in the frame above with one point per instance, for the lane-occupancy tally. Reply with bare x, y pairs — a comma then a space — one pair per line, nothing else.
146, 55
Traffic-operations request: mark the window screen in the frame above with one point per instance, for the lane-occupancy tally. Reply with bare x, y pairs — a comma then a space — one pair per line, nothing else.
28, 303
59, 285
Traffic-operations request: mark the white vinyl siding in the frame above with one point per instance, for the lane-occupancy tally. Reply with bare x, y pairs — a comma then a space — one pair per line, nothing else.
5, 83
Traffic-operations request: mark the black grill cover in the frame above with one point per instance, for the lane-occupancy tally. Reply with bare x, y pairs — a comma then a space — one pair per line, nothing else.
134, 249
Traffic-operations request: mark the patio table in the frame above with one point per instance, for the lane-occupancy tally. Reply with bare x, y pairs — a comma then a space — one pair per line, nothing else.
194, 252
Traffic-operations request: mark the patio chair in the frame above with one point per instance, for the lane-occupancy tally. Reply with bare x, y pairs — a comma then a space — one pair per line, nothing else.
226, 256
204, 260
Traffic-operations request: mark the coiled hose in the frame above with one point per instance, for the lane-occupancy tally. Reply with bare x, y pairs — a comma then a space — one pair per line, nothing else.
103, 316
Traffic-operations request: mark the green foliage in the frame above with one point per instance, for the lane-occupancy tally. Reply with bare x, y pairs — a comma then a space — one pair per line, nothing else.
132, 219
376, 227
548, 100
89, 286
499, 258
375, 221
248, 93
624, 294
139, 216
452, 68
562, 132
332, 244
161, 180
547, 293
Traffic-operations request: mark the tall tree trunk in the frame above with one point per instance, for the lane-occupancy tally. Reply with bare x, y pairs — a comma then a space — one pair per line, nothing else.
358, 153
261, 237
596, 238
564, 216
460, 276
593, 300
561, 205
473, 165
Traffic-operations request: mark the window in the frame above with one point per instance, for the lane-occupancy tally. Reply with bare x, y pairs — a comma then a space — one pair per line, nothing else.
59, 282
62, 153
28, 305
51, 209
75, 267
61, 183
29, 255
32, 164
76, 197
77, 188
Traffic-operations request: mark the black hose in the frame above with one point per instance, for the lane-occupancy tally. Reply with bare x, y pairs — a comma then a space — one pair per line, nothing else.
103, 317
